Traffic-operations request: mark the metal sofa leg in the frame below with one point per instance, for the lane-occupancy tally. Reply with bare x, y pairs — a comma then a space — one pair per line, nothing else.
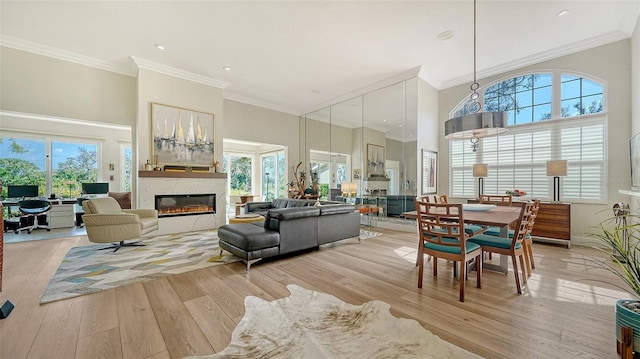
250, 262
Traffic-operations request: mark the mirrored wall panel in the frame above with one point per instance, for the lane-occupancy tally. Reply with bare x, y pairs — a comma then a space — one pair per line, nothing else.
364, 150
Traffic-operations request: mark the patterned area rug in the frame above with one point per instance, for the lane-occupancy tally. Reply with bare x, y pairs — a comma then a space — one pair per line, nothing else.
86, 269
310, 324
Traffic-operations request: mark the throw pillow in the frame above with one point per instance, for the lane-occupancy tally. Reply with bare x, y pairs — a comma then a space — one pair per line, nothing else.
123, 199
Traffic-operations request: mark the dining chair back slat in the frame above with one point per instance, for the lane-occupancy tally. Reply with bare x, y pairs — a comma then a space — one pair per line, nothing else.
436, 198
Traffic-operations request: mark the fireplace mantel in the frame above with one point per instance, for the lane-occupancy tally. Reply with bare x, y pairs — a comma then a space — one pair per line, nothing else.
166, 174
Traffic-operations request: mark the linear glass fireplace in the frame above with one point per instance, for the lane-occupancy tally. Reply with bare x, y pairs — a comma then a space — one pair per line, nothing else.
170, 205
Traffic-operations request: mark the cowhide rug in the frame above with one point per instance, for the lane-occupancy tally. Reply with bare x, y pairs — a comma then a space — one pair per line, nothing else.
311, 324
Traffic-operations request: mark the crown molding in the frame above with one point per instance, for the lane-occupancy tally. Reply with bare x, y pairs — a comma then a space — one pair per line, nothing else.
38, 49
565, 50
176, 72
402, 76
268, 105
33, 116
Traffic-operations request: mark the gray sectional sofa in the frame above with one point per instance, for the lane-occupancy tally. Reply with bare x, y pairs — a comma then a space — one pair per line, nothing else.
290, 225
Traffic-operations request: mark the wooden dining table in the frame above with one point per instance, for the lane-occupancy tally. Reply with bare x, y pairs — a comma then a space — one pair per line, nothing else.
496, 216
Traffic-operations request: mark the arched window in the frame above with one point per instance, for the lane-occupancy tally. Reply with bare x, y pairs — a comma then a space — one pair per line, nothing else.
552, 115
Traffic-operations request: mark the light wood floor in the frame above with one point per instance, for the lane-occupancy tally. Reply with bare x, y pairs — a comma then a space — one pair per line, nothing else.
565, 311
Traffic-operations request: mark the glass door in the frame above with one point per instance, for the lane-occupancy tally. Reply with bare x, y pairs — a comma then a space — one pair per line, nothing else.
274, 179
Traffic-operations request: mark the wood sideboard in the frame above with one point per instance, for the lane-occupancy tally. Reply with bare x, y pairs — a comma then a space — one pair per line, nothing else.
553, 223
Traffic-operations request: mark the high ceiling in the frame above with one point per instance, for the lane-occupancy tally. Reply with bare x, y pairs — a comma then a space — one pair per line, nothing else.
296, 56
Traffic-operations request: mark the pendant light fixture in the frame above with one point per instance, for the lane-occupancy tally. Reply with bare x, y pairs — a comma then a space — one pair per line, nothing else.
476, 124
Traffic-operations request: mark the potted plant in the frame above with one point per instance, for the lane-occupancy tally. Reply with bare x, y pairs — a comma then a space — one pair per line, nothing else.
619, 239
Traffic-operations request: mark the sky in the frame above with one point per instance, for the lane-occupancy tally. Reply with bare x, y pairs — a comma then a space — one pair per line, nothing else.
36, 151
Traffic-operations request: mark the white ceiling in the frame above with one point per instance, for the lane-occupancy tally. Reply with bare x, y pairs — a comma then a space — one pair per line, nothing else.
296, 56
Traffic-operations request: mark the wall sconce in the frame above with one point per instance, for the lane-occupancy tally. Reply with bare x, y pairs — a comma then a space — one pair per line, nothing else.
556, 168
480, 170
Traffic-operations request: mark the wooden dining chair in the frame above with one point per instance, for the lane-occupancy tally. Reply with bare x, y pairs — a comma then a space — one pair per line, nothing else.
470, 229
528, 240
442, 235
506, 200
513, 247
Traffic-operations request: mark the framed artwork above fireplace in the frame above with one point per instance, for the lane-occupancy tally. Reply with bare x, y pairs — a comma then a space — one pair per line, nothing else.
181, 136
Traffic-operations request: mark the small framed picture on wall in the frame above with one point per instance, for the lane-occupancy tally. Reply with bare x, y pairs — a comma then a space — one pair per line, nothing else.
429, 172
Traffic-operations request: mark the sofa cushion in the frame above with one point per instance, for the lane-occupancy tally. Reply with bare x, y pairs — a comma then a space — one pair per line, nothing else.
336, 208
257, 207
248, 237
293, 203
284, 214
123, 198
278, 215
279, 203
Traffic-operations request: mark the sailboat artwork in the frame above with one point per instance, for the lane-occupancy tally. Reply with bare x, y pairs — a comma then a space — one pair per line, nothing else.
181, 136
375, 160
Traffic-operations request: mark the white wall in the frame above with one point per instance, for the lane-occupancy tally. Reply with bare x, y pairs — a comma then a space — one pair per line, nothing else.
43, 85
428, 134
261, 125
610, 63
635, 96
635, 79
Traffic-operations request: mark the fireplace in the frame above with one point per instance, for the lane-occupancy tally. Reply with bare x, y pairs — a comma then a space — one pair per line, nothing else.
170, 205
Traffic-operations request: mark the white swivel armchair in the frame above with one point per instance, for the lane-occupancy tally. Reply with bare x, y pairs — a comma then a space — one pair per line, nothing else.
106, 222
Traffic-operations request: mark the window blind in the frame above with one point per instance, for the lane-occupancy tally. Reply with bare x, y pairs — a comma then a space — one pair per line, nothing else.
517, 160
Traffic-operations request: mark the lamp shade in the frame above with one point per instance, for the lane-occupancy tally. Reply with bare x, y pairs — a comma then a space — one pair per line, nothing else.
480, 170
480, 124
557, 168
348, 187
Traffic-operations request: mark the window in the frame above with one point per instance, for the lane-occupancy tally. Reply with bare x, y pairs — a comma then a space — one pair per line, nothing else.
572, 128
268, 174
72, 164
56, 166
580, 96
274, 181
22, 162
525, 98
239, 167
331, 169
126, 168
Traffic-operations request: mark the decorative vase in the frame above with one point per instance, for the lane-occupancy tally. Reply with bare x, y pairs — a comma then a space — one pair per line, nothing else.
626, 317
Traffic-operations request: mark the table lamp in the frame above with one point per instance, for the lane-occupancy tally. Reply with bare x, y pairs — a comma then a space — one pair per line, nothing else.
480, 170
556, 168
348, 189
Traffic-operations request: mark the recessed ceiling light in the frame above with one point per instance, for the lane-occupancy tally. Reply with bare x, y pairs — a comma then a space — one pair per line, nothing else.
445, 35
563, 12
226, 68
160, 47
